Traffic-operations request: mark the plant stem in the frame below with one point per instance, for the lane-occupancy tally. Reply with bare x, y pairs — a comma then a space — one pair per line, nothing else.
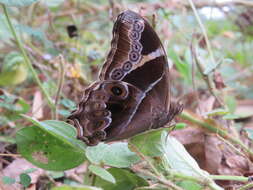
60, 84
216, 129
158, 178
203, 30
26, 58
230, 178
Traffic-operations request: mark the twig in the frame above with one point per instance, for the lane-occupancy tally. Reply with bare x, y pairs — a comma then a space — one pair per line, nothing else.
11, 155
60, 84
26, 58
161, 180
143, 157
203, 29
205, 77
193, 73
230, 178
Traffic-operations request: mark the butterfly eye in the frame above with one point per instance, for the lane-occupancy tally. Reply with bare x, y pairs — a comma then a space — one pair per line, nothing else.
117, 91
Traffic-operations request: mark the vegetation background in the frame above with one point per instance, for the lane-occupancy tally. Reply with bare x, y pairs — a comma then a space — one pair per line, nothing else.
44, 70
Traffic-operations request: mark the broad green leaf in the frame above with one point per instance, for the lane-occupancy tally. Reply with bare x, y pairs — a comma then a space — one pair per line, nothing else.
17, 3
119, 155
176, 158
14, 70
95, 154
116, 154
148, 143
51, 145
103, 173
25, 179
83, 187
8, 180
125, 180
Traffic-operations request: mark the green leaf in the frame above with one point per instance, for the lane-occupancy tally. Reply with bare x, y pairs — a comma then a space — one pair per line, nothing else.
14, 70
101, 172
83, 187
119, 155
125, 180
51, 145
8, 180
176, 158
116, 154
148, 143
17, 3
95, 154
25, 179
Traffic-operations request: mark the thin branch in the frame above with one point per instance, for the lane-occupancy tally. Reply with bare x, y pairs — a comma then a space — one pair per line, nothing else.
205, 77
203, 29
10, 155
158, 178
229, 178
60, 83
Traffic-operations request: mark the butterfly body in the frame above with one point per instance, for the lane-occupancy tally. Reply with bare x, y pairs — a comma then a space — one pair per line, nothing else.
132, 93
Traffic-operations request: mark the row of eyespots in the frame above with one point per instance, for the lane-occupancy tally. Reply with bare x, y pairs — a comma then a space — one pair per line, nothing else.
135, 36
135, 51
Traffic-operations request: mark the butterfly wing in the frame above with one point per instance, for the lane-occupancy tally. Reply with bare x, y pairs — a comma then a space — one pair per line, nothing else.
137, 57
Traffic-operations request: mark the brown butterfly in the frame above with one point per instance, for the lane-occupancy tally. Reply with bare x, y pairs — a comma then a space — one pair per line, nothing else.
132, 93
